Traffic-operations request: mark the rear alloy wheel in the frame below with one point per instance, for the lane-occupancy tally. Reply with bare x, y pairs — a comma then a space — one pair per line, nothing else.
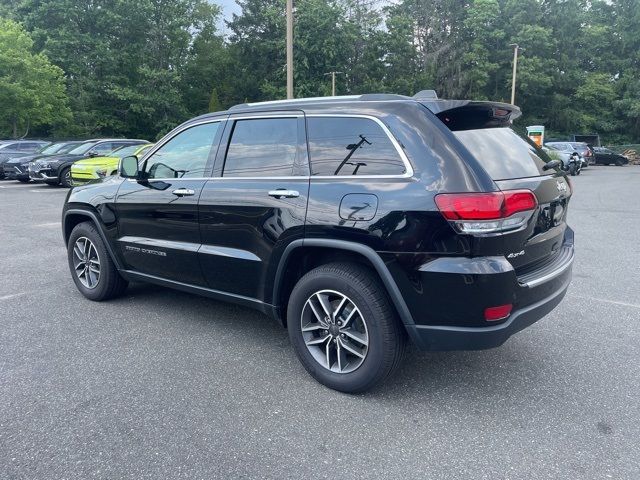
92, 269
334, 331
343, 327
65, 177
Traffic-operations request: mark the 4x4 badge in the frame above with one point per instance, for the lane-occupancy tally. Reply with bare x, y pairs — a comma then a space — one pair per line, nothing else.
562, 187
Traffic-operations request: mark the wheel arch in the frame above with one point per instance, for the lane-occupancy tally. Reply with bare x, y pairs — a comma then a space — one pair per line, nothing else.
74, 216
301, 256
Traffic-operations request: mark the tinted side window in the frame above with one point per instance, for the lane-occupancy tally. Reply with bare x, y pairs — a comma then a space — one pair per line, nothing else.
30, 147
266, 146
351, 146
103, 148
185, 155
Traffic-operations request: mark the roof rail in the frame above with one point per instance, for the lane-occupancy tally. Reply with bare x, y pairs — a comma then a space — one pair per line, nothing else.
371, 97
295, 100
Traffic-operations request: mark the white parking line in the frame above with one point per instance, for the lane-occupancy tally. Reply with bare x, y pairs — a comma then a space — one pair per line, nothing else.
49, 190
51, 224
13, 295
605, 300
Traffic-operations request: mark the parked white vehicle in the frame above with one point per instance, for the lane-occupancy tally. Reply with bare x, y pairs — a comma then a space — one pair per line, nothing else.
566, 149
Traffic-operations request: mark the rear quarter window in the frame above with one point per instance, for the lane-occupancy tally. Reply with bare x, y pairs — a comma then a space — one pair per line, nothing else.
348, 146
503, 153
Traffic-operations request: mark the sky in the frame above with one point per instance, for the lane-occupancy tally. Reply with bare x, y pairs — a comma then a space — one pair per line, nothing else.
229, 7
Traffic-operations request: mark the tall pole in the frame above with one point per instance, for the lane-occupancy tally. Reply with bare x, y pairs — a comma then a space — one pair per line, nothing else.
513, 78
289, 48
333, 82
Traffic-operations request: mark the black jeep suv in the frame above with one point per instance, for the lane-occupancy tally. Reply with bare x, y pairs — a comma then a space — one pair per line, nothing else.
355, 221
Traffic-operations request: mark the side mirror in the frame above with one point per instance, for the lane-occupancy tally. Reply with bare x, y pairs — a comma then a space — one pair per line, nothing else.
93, 154
552, 164
128, 167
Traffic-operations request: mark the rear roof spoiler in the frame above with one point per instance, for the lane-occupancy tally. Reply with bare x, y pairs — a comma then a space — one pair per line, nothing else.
469, 114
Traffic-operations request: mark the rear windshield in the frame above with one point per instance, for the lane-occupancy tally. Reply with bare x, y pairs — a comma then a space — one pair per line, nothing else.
503, 153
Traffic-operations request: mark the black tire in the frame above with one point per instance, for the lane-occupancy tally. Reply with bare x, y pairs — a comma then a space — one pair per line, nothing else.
572, 170
65, 177
24, 180
619, 163
109, 283
386, 335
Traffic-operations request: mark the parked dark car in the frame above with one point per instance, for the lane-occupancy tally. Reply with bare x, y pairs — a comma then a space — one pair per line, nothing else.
604, 156
56, 170
17, 168
355, 221
16, 148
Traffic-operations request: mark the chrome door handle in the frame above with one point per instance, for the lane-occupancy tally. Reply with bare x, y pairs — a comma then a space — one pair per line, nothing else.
281, 192
183, 192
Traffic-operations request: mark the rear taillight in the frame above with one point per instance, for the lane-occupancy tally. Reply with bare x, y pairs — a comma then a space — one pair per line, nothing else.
487, 213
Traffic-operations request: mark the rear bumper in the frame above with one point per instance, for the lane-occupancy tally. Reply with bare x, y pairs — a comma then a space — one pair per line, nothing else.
449, 295
429, 337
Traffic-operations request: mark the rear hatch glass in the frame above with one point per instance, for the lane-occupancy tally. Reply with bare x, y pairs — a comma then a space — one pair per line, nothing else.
503, 153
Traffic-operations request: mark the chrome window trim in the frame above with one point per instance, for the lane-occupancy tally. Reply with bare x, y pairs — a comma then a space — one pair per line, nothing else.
243, 116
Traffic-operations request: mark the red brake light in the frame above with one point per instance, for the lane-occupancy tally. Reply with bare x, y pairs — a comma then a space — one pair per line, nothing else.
518, 201
500, 312
485, 206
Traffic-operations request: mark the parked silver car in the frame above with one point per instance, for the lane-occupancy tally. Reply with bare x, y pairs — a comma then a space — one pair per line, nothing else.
565, 149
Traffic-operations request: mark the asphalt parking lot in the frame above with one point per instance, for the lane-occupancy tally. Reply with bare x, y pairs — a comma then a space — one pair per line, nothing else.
162, 384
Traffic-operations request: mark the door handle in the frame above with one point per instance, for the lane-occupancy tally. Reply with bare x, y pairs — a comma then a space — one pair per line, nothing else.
183, 192
281, 192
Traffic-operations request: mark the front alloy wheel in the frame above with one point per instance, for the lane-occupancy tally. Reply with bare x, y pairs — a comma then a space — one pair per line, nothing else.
86, 262
334, 331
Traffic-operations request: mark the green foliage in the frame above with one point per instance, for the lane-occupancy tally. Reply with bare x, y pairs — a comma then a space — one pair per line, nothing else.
139, 67
32, 90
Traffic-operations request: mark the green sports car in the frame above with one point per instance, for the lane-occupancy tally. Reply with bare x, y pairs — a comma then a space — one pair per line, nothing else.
83, 171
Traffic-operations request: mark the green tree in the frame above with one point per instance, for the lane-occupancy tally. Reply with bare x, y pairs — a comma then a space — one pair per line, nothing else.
32, 90
124, 59
484, 35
